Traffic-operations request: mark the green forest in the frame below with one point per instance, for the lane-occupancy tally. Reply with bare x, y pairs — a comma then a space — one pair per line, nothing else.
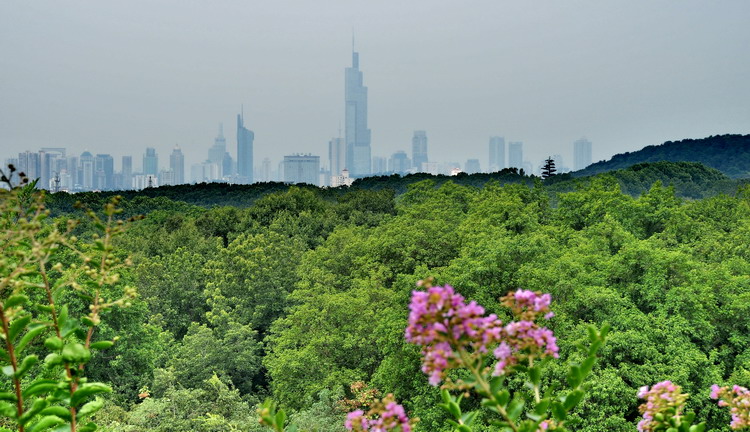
301, 295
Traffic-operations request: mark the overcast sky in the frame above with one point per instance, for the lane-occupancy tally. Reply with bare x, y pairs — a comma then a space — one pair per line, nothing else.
118, 76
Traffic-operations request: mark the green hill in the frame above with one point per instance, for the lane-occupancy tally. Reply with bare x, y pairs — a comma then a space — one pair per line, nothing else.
729, 154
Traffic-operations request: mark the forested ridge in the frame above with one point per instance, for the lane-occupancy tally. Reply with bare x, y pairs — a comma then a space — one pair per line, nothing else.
296, 293
729, 154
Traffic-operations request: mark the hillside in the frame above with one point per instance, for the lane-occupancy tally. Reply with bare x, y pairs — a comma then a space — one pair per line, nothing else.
729, 154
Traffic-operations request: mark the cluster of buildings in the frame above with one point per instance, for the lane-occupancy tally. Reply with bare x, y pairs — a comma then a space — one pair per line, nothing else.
349, 157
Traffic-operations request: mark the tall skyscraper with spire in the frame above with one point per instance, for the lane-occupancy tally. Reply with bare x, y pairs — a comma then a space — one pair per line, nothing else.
357, 134
245, 138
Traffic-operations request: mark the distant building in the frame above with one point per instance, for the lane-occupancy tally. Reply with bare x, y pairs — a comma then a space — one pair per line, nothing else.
357, 135
150, 162
431, 168
30, 164
472, 166
336, 156
104, 172
177, 165
87, 171
205, 172
419, 149
301, 169
399, 163
497, 154
515, 154
265, 170
379, 165
342, 180
127, 173
143, 181
245, 138
167, 178
581, 154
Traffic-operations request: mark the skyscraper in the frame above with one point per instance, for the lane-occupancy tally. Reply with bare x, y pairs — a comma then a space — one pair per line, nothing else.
301, 169
419, 149
497, 153
581, 154
515, 154
245, 138
127, 172
87, 171
357, 134
472, 166
399, 163
151, 162
216, 151
177, 165
104, 172
337, 156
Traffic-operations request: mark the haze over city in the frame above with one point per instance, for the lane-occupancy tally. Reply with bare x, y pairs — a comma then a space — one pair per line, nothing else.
119, 77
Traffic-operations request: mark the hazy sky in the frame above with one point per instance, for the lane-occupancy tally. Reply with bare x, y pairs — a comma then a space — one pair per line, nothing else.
118, 76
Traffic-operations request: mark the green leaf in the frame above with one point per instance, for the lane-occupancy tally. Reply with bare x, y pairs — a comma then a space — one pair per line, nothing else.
587, 365
574, 376
90, 408
62, 317
57, 410
445, 395
469, 417
75, 353
280, 418
87, 390
535, 376
29, 336
53, 360
593, 334
454, 409
17, 326
558, 412
542, 406
503, 397
101, 345
515, 408
496, 383
45, 423
89, 427
15, 300
700, 427
8, 410
572, 399
26, 364
53, 343
40, 386
36, 407
8, 396
464, 428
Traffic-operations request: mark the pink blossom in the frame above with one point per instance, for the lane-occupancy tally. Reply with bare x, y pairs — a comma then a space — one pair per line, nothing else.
738, 400
663, 398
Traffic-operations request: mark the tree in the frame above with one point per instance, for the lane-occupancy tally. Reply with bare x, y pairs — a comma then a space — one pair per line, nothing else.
549, 168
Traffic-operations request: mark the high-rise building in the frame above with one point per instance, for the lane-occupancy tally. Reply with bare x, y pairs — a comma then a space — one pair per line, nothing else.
104, 172
399, 163
30, 164
87, 171
379, 165
301, 169
419, 149
127, 172
581, 154
515, 154
217, 151
357, 135
151, 162
245, 138
177, 165
497, 154
472, 166
336, 156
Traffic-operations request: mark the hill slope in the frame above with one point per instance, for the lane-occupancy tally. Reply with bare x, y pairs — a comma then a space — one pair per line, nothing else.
729, 154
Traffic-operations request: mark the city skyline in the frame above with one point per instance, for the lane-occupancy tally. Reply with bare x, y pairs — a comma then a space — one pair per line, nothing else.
624, 76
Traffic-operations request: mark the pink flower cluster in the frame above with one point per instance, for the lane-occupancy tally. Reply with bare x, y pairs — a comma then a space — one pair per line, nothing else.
391, 418
738, 400
442, 322
663, 398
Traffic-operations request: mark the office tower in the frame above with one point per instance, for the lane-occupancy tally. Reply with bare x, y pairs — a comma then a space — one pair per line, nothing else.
581, 154
357, 134
419, 149
104, 172
217, 151
497, 154
472, 166
30, 164
127, 173
205, 172
336, 156
87, 171
227, 165
301, 169
265, 170
515, 154
177, 165
379, 165
51, 161
399, 163
245, 138
151, 162
166, 177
